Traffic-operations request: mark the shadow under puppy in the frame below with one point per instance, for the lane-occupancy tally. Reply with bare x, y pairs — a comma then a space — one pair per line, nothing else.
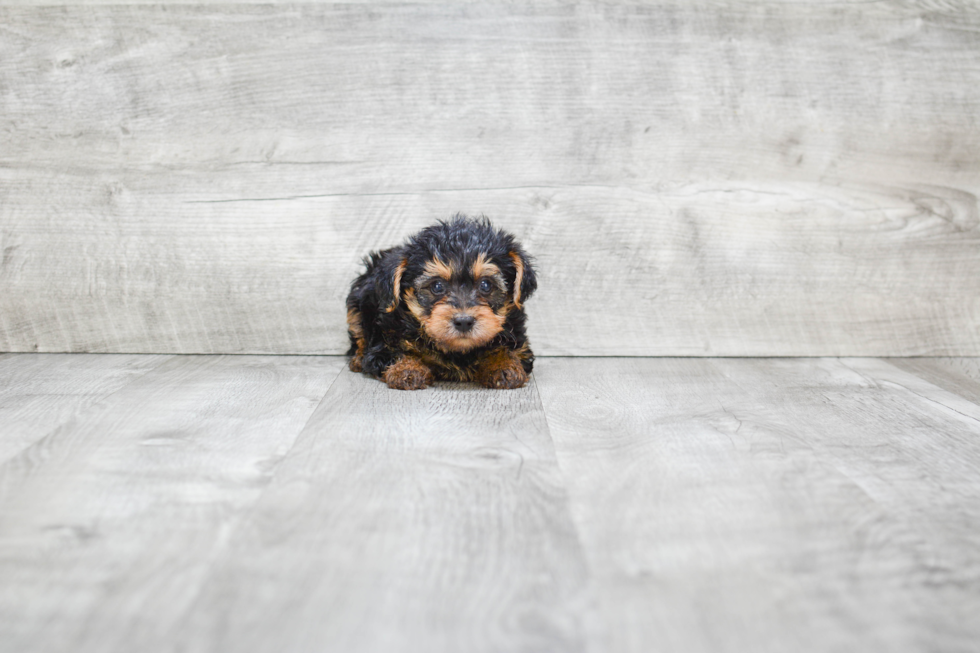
447, 305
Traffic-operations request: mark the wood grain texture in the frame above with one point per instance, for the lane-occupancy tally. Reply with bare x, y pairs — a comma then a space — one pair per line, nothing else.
110, 522
771, 505
433, 520
612, 505
734, 271
40, 392
957, 375
725, 178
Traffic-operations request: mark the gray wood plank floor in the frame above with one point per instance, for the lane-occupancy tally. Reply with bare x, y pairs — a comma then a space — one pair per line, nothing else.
243, 503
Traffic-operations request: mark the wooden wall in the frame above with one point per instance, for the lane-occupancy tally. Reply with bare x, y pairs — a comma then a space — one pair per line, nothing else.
717, 178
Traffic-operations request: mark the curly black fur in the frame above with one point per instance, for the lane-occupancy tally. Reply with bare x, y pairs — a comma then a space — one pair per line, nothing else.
390, 306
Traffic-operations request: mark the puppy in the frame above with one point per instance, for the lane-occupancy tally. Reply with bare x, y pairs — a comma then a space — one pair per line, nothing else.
447, 305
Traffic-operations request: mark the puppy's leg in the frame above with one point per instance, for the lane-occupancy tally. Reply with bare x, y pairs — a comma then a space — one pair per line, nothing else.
355, 364
500, 368
357, 345
408, 373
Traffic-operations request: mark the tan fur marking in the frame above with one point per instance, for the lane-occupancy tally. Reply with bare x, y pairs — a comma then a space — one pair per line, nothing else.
436, 268
413, 305
397, 286
354, 323
524, 351
408, 373
518, 278
441, 367
501, 369
356, 363
484, 268
357, 331
439, 326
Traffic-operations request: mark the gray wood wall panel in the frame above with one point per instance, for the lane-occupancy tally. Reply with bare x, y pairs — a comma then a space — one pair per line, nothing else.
756, 178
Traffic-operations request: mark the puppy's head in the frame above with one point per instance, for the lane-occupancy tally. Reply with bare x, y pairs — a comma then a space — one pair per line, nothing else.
460, 280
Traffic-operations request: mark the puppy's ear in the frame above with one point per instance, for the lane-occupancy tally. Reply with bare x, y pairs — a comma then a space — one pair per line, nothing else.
525, 282
389, 282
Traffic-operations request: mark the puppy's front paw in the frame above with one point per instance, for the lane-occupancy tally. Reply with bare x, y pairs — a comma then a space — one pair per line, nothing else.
408, 373
503, 371
507, 378
356, 364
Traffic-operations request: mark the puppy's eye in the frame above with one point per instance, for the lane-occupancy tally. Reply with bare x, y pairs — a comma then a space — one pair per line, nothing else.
437, 288
485, 285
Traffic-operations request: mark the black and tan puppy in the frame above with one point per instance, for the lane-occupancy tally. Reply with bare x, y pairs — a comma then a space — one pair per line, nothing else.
447, 305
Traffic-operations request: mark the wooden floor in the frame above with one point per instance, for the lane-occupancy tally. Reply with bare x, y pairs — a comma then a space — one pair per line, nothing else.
240, 503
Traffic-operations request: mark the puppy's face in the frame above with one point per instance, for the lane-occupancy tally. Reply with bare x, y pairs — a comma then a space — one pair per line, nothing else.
459, 280
460, 304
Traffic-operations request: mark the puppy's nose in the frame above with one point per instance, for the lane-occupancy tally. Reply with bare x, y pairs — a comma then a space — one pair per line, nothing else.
463, 322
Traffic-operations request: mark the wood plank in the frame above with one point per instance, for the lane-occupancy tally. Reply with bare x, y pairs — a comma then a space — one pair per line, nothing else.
724, 178
960, 376
594, 93
424, 521
792, 270
39, 392
109, 524
771, 505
